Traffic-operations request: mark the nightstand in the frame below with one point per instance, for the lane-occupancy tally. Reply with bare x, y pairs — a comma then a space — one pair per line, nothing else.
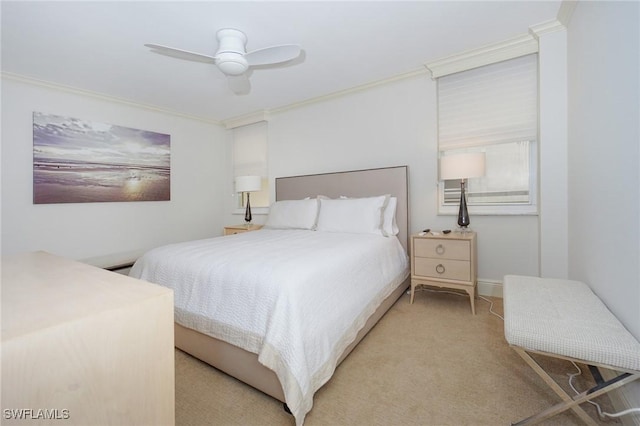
238, 229
446, 261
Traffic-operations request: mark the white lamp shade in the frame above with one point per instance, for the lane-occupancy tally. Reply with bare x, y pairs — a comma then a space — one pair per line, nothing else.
248, 183
462, 166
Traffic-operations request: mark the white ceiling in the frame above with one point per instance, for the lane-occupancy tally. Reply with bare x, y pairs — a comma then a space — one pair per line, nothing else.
98, 46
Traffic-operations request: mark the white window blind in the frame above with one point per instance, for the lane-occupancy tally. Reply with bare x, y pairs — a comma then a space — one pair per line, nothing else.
491, 104
250, 159
493, 109
250, 150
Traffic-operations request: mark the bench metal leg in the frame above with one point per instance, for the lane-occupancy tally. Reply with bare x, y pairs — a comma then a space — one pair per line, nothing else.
568, 401
556, 388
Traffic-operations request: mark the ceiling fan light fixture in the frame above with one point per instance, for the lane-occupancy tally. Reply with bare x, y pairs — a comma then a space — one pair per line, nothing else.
232, 63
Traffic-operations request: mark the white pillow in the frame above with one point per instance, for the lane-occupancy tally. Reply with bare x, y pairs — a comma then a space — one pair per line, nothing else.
355, 215
389, 224
293, 214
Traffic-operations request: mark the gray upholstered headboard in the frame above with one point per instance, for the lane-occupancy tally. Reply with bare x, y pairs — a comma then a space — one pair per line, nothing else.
357, 183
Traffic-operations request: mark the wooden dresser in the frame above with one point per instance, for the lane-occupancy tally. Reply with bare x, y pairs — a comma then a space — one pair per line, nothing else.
84, 346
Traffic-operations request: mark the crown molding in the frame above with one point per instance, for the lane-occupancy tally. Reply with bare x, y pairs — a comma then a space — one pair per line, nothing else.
512, 48
245, 120
73, 90
566, 11
266, 114
363, 87
230, 123
546, 28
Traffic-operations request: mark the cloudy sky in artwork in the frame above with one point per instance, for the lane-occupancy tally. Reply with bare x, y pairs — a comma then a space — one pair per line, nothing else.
58, 138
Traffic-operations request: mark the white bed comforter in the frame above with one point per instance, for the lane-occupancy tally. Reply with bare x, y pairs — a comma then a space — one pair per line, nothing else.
295, 298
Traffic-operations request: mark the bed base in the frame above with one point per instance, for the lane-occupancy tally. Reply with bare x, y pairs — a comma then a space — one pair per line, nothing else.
572, 402
244, 365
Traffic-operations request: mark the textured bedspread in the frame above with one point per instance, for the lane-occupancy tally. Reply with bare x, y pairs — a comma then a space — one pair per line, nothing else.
295, 298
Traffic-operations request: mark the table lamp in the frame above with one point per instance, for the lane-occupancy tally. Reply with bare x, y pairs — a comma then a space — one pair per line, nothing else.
462, 166
248, 184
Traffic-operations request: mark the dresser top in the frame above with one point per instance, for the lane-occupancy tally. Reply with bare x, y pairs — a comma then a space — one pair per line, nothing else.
41, 290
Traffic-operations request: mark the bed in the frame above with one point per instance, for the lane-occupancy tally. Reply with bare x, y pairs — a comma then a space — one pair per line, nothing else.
293, 299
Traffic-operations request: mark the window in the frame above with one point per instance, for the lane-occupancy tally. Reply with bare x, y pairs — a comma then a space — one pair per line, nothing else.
493, 109
250, 159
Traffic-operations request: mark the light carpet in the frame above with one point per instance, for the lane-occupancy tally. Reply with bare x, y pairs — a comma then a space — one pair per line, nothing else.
426, 363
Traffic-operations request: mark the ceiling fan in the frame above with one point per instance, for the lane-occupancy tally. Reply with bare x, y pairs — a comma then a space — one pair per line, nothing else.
232, 59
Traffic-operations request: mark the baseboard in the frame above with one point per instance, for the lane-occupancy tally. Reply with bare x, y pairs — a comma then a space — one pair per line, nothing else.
624, 398
490, 288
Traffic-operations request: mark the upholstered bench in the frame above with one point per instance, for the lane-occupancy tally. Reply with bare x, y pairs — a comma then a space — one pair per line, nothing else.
565, 319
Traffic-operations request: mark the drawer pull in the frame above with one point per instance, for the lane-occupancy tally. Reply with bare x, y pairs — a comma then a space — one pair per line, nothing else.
440, 268
440, 249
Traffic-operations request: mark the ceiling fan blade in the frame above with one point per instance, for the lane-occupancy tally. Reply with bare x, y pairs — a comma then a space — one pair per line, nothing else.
273, 54
180, 54
239, 84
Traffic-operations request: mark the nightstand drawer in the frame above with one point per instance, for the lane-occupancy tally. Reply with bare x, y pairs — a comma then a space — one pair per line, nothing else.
442, 268
440, 248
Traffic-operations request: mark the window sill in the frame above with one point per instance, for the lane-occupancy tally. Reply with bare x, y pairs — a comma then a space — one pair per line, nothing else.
527, 210
254, 211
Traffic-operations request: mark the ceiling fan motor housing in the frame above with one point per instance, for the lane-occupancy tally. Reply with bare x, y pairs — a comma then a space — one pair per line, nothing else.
230, 55
231, 63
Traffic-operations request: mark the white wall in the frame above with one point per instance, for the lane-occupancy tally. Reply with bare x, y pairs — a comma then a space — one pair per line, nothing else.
604, 160
552, 203
604, 141
88, 230
388, 125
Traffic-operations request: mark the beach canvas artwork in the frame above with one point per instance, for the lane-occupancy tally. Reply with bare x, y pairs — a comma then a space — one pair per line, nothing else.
79, 161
